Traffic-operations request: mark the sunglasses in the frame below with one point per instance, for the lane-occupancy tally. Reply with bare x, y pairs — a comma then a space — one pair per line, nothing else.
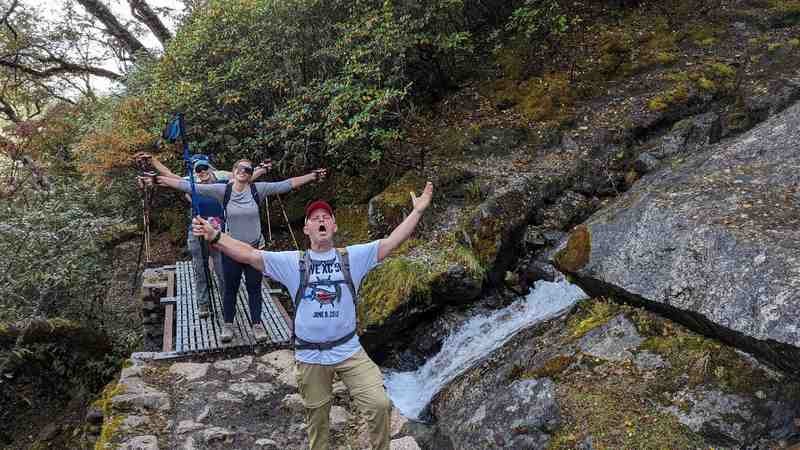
247, 169
199, 169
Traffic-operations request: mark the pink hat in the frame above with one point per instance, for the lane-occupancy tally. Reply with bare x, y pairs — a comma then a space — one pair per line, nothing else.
318, 204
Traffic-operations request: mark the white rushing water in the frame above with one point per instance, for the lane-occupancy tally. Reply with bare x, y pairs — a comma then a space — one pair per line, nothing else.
473, 340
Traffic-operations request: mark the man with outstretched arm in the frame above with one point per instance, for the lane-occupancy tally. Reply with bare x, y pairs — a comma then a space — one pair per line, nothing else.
324, 281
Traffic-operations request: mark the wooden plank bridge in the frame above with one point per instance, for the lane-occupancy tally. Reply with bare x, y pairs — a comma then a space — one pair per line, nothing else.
185, 332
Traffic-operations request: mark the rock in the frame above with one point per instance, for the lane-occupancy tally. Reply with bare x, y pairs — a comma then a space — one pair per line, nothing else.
645, 360
148, 442
725, 419
612, 341
457, 285
204, 414
263, 369
228, 397
294, 402
496, 141
521, 415
131, 371
689, 135
404, 443
132, 421
190, 371
267, 444
216, 434
257, 390
398, 421
339, 418
645, 163
684, 242
188, 444
283, 361
140, 396
94, 416
186, 426
235, 366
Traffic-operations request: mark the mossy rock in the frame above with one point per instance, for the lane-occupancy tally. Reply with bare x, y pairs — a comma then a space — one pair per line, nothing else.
576, 254
390, 207
397, 283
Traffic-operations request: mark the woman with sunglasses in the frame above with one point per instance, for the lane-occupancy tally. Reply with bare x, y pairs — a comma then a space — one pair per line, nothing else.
243, 222
209, 207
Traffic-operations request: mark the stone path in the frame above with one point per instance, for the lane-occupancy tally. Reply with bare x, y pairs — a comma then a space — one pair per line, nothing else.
240, 402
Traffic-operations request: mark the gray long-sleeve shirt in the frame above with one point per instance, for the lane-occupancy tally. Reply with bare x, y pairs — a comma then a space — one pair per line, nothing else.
241, 217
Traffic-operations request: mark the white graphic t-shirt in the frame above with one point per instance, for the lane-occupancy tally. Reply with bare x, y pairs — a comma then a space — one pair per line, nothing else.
326, 311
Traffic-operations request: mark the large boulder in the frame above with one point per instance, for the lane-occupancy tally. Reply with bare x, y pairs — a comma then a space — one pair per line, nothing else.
712, 242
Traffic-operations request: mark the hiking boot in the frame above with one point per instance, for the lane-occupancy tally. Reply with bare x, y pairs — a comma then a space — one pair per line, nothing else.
259, 332
203, 310
227, 332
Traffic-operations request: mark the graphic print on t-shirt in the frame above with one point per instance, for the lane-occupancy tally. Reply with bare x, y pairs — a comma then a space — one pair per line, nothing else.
324, 288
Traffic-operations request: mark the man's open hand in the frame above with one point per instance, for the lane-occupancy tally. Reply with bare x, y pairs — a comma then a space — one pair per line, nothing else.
423, 201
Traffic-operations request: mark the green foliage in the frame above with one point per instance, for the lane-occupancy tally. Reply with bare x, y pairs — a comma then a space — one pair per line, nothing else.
304, 80
534, 32
53, 264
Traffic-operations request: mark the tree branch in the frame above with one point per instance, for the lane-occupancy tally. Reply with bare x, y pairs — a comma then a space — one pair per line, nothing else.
62, 67
142, 12
113, 26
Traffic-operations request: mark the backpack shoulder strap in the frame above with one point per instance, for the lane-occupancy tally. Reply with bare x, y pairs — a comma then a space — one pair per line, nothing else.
225, 200
303, 263
254, 191
344, 259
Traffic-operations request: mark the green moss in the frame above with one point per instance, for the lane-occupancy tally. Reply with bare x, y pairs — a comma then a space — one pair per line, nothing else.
352, 225
109, 392
552, 368
590, 315
616, 419
774, 46
794, 42
396, 282
576, 254
706, 84
110, 427
722, 70
677, 95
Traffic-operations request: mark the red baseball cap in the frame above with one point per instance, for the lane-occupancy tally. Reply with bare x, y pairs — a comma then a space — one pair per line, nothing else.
318, 204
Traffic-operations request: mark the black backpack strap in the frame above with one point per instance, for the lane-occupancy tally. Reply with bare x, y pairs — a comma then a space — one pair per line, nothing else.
225, 200
254, 191
303, 262
344, 260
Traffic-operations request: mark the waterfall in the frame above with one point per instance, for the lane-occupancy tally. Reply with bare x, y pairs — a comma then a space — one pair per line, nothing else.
473, 340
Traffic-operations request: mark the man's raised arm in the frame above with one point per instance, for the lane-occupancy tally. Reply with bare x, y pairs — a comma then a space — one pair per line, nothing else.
234, 249
407, 226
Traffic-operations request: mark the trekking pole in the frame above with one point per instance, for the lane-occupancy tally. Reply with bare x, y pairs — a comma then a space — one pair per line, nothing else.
288, 224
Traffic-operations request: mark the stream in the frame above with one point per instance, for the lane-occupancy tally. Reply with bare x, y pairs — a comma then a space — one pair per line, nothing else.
477, 337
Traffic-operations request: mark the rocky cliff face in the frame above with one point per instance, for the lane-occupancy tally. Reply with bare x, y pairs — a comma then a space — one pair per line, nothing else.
711, 241
610, 376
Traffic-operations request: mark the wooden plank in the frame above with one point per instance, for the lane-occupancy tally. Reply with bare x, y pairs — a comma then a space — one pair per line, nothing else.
200, 328
179, 311
215, 316
271, 317
244, 329
193, 314
169, 315
169, 322
184, 315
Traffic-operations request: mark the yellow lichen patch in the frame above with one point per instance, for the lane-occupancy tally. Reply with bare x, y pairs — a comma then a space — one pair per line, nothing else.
591, 315
394, 283
577, 251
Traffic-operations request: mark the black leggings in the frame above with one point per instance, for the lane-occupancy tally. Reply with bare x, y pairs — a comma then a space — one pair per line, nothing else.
233, 276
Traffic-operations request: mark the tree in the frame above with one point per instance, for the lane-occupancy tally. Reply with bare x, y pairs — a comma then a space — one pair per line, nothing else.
44, 60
